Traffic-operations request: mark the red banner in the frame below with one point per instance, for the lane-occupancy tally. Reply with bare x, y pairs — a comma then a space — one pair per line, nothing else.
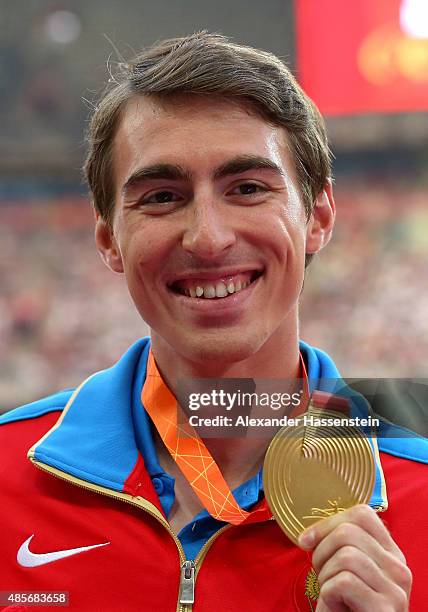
358, 56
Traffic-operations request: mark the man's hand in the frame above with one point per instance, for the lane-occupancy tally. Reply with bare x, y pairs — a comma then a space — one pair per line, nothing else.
359, 566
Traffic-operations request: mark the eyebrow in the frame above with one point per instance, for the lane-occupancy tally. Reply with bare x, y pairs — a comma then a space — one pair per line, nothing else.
243, 163
171, 172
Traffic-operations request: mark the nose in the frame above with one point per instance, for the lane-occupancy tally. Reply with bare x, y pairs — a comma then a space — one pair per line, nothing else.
209, 231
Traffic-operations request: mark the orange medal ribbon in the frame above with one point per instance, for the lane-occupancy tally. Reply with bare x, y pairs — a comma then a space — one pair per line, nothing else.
190, 453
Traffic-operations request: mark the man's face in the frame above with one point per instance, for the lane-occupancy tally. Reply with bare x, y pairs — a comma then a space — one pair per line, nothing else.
207, 203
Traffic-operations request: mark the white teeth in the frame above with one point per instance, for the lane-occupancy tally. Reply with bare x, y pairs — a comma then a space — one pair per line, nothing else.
220, 290
209, 292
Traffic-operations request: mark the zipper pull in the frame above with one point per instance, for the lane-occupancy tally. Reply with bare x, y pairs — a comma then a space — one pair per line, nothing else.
187, 583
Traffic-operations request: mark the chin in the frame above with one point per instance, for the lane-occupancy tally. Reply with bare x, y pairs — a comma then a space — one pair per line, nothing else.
217, 348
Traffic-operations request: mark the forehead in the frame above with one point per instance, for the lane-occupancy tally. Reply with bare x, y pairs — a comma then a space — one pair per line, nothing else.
194, 131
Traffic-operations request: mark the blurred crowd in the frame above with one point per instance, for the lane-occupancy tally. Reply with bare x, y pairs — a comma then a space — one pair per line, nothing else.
63, 315
366, 299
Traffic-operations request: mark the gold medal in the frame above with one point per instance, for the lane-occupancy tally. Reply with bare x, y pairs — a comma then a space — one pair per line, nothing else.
312, 471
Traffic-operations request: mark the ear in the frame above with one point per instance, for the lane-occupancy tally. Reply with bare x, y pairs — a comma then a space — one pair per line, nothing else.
321, 221
107, 245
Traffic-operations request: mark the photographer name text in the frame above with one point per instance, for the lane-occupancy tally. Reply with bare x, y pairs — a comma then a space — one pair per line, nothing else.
307, 420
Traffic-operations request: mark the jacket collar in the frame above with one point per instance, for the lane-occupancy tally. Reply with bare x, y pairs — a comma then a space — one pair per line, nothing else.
103, 428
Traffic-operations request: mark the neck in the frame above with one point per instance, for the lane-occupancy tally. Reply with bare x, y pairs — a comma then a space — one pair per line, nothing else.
278, 358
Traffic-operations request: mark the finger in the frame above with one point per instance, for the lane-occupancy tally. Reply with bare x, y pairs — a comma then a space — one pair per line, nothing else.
322, 607
349, 540
345, 591
353, 560
361, 515
347, 535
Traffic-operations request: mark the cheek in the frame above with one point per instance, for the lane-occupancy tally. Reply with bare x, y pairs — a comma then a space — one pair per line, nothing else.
144, 252
136, 251
287, 236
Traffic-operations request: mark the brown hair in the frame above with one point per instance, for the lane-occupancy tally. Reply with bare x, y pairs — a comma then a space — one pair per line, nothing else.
209, 64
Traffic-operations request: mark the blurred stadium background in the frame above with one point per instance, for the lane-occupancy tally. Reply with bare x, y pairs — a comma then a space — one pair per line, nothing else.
63, 315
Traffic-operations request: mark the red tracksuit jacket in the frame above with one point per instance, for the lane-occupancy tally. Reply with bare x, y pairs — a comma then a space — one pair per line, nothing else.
134, 561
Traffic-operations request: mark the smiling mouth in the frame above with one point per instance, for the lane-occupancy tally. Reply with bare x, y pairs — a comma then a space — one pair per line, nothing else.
215, 289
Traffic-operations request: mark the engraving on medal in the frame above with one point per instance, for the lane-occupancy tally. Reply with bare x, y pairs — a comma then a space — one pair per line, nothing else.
311, 473
322, 512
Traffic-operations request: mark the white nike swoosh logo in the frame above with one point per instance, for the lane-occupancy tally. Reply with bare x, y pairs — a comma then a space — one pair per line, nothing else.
26, 558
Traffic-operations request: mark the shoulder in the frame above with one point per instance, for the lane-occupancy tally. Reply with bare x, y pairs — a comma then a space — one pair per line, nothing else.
402, 443
394, 440
21, 427
38, 408
404, 458
19, 430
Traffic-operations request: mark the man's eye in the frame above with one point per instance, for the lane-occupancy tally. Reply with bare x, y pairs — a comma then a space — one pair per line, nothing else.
160, 197
248, 189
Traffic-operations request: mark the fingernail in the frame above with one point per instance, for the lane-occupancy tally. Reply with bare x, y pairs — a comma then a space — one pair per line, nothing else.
307, 539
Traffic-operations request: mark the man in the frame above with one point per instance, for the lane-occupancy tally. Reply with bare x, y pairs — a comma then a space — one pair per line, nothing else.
210, 175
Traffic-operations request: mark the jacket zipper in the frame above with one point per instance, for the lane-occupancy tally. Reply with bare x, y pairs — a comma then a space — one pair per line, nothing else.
189, 569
